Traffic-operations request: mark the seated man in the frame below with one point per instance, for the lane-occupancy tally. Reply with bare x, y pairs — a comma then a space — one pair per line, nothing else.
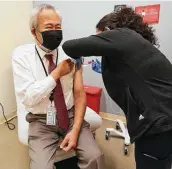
48, 85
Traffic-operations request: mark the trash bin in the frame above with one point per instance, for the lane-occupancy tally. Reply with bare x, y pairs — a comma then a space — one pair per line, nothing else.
93, 97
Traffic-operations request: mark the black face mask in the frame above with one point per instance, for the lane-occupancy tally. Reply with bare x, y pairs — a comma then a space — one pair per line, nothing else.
52, 39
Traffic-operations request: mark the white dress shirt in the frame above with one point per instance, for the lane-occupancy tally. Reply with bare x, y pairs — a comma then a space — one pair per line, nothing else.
32, 87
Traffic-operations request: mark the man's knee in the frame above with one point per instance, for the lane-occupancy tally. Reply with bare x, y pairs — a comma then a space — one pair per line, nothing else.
94, 155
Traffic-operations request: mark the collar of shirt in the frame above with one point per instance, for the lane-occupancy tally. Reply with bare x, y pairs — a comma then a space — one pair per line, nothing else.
42, 53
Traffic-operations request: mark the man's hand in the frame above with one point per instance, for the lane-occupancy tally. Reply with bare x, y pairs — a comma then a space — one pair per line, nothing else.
70, 141
62, 69
65, 67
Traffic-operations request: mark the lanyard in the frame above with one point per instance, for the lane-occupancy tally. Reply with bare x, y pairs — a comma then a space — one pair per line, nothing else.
46, 73
51, 98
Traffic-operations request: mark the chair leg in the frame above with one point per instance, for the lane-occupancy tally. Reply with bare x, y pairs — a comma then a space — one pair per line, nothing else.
120, 131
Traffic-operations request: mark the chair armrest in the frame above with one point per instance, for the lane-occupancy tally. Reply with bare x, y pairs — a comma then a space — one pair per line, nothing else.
93, 119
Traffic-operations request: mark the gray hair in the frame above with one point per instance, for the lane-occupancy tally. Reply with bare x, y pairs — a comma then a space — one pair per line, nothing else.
36, 11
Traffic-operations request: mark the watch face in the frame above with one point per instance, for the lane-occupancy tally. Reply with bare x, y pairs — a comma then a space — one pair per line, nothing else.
117, 8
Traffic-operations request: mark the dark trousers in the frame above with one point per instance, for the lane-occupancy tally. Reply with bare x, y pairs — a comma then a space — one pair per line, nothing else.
154, 152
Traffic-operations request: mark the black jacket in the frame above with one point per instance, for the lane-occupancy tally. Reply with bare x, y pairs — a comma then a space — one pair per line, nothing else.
137, 76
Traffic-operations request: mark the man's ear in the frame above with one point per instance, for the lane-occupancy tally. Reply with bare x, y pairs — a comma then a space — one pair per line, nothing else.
33, 31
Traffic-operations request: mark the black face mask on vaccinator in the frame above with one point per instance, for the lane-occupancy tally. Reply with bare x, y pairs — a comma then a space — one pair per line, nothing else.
52, 39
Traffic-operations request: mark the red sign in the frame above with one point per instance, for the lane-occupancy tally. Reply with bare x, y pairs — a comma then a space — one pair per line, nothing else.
150, 13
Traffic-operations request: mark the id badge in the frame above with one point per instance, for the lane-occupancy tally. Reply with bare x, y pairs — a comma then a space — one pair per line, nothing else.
51, 115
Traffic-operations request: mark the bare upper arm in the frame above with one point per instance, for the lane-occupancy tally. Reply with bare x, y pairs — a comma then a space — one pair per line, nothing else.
78, 81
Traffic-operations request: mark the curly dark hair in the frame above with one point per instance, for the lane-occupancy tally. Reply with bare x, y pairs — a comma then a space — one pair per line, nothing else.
127, 18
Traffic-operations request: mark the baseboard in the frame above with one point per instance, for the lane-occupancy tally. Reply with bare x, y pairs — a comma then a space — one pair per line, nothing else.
112, 117
8, 116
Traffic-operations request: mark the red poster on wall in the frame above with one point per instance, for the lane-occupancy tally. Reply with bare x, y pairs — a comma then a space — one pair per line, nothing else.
150, 13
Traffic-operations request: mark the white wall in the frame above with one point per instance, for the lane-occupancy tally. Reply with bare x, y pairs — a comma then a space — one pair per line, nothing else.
80, 18
14, 31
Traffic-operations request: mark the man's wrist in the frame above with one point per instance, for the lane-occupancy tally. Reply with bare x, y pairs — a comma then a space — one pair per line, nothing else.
76, 128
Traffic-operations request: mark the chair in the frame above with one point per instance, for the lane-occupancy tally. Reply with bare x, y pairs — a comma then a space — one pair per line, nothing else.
91, 117
119, 131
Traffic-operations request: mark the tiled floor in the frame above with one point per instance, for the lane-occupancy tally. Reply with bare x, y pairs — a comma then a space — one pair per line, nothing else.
14, 155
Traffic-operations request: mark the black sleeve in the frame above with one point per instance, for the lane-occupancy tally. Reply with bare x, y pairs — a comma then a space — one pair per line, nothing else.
96, 45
